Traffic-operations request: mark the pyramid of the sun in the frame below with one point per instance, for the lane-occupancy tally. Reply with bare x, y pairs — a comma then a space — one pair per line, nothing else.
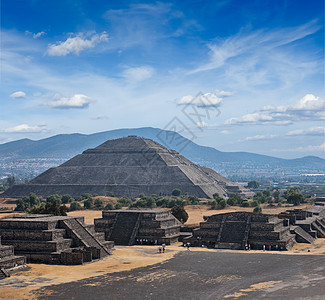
127, 166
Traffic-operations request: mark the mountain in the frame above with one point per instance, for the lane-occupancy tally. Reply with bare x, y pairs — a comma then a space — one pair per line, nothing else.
26, 157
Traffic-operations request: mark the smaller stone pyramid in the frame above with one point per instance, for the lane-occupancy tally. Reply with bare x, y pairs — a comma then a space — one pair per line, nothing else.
127, 167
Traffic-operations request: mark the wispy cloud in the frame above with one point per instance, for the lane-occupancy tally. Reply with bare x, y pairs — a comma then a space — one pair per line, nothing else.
76, 44
137, 74
25, 128
17, 95
35, 35
259, 137
76, 101
309, 108
253, 44
144, 24
318, 130
308, 148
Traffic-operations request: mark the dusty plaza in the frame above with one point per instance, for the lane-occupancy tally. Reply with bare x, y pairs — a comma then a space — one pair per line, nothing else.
139, 272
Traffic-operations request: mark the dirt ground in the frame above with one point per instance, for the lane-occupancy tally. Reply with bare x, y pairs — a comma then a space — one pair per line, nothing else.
22, 285
195, 212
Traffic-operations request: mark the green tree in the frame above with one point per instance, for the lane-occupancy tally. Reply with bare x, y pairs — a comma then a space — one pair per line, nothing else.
125, 201
193, 199
20, 205
294, 196
75, 206
118, 205
176, 192
213, 203
88, 204
223, 203
257, 209
66, 198
276, 196
245, 203
253, 184
53, 198
99, 203
109, 206
234, 199
179, 213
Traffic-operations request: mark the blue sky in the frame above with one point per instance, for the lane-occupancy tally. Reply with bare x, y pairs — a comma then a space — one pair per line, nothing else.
234, 75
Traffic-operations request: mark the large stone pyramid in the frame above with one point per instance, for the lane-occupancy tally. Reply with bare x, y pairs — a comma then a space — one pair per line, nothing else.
127, 166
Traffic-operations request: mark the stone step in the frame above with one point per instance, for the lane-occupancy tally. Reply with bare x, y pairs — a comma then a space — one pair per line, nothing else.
12, 262
39, 246
301, 235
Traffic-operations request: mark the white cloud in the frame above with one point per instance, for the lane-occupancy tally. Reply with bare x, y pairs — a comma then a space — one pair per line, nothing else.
223, 94
201, 100
138, 73
319, 130
17, 95
308, 107
24, 128
76, 101
225, 132
76, 44
253, 118
38, 34
260, 137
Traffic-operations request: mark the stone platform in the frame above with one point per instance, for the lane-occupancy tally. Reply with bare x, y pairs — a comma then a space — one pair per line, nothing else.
54, 239
238, 229
129, 227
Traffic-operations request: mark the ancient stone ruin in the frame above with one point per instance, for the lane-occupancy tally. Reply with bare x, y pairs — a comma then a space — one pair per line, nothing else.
9, 262
237, 229
53, 239
306, 224
148, 227
127, 167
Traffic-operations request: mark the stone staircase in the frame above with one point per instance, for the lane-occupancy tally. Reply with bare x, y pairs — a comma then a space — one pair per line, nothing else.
79, 232
123, 228
301, 235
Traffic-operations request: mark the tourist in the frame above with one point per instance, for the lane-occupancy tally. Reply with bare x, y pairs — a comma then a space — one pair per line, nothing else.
188, 246
163, 248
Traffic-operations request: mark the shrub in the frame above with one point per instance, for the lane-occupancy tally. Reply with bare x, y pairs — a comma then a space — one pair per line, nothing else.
66, 198
99, 203
253, 184
213, 203
234, 199
118, 205
254, 203
223, 203
194, 200
88, 203
75, 206
176, 192
245, 204
258, 209
109, 206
